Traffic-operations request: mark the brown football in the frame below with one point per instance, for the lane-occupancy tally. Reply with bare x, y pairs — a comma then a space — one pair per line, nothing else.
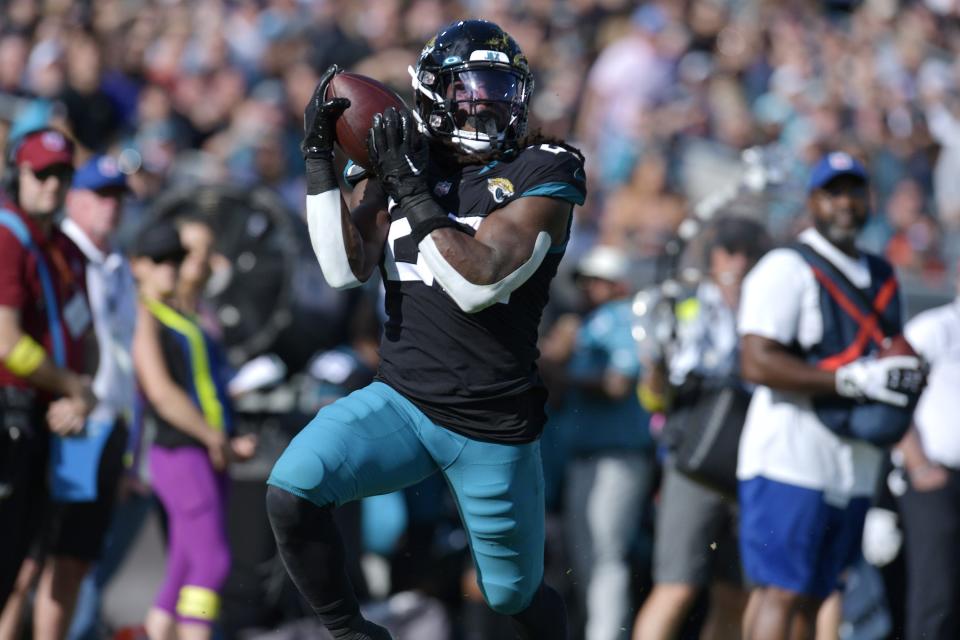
896, 346
367, 97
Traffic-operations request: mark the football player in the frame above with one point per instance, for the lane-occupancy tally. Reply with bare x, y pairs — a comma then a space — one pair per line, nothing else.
466, 218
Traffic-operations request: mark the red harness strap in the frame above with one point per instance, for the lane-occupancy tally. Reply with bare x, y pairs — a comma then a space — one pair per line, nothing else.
868, 323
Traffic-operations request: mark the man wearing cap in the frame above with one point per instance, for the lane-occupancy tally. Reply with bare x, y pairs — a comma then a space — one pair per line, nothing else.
45, 324
610, 476
86, 467
806, 337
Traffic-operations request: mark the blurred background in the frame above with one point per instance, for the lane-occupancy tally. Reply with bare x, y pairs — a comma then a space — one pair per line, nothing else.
684, 110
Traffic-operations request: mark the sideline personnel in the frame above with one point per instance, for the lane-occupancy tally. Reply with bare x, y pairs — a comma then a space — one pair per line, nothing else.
44, 325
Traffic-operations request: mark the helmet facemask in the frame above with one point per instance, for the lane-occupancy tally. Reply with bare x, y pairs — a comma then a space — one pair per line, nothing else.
478, 106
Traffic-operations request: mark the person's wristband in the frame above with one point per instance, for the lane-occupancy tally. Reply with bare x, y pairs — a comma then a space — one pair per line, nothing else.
320, 174
25, 357
424, 215
422, 229
650, 400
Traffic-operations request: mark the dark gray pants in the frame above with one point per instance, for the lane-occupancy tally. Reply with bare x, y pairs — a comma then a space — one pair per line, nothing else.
931, 522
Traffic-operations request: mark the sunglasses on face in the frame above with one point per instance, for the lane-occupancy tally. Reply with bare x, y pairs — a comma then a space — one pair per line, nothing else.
62, 172
173, 259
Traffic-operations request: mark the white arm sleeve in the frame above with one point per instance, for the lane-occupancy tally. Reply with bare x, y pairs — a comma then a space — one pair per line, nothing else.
475, 297
326, 236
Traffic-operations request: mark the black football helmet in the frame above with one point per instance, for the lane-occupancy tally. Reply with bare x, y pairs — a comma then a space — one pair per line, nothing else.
472, 86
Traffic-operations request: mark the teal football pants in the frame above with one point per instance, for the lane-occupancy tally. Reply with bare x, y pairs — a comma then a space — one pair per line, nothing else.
375, 441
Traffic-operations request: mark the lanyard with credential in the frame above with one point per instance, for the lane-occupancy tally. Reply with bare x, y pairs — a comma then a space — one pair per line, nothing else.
19, 230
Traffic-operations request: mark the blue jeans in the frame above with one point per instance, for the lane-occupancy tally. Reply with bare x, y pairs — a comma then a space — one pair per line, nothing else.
375, 441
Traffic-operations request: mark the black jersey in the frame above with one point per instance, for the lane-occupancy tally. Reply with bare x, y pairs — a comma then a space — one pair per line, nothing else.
474, 373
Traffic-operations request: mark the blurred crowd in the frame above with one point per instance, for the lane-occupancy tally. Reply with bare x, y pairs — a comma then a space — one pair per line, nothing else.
667, 100
662, 98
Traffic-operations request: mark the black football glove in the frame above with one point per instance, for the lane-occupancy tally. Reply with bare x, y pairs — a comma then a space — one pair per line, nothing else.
399, 155
319, 133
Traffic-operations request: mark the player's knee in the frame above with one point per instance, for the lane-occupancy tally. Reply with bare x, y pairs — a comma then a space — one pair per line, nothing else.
298, 467
507, 599
283, 509
305, 466
290, 515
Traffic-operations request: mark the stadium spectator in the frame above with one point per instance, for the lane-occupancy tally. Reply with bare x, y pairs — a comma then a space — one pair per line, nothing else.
609, 477
94, 213
695, 543
930, 507
45, 341
198, 238
92, 114
89, 464
805, 481
180, 371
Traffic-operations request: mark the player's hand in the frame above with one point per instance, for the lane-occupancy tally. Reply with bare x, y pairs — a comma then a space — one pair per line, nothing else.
320, 118
896, 380
398, 154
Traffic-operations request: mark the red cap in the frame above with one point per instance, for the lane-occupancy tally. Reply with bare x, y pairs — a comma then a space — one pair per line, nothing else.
44, 148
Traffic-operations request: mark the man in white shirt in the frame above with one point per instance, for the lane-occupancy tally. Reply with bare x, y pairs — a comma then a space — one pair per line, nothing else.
90, 465
930, 508
804, 482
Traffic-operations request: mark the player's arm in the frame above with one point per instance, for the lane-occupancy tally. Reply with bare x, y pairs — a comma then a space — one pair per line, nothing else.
510, 243
348, 242
479, 270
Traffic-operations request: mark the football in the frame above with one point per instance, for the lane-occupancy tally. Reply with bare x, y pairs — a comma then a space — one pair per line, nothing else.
896, 346
367, 97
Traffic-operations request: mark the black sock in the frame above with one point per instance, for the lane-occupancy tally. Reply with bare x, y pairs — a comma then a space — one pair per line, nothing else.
544, 619
312, 551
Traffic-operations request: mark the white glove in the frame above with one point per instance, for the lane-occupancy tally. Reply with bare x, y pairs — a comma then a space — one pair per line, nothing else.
882, 537
894, 380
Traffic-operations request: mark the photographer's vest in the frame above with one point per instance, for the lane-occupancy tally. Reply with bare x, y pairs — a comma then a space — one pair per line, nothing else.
856, 323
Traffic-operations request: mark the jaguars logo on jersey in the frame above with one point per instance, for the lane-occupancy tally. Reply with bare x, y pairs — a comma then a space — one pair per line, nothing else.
500, 189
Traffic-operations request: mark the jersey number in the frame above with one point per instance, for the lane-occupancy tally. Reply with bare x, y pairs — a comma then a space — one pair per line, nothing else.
552, 148
401, 260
